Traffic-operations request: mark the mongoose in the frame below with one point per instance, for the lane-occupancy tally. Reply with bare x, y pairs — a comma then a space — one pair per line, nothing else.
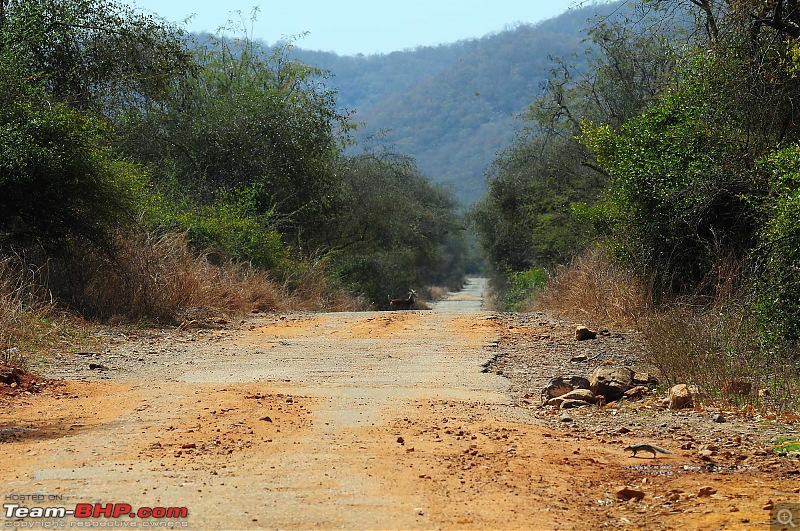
646, 448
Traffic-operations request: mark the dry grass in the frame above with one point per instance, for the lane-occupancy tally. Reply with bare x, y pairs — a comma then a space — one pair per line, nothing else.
595, 291
311, 289
437, 293
709, 341
150, 278
158, 277
28, 323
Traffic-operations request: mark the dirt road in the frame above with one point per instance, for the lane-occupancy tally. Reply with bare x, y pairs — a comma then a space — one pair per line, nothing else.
341, 421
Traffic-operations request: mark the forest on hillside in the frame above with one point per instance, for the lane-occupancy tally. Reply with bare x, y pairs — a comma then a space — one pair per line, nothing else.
453, 107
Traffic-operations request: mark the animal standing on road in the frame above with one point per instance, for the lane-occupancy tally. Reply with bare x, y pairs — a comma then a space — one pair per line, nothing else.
403, 304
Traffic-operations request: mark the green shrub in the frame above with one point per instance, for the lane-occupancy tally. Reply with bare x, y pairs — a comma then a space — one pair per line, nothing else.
676, 202
57, 180
778, 256
229, 227
521, 286
378, 275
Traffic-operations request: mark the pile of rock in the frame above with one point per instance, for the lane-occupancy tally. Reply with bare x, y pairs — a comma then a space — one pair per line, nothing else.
606, 384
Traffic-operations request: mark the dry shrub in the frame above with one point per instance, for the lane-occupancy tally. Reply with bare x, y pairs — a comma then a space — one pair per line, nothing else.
705, 347
594, 290
711, 339
311, 288
147, 277
158, 277
28, 323
436, 293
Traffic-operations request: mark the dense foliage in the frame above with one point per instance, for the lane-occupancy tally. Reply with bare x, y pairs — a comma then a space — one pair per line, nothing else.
536, 212
682, 139
115, 126
393, 229
676, 202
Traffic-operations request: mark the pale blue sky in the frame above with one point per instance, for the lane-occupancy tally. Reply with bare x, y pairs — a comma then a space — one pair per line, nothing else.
362, 26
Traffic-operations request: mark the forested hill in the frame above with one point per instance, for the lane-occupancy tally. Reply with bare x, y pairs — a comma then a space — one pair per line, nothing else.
454, 106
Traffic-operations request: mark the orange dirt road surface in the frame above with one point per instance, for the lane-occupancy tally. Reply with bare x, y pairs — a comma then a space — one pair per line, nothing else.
342, 421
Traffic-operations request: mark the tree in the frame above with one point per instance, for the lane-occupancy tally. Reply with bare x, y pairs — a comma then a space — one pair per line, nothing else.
251, 123
392, 229
536, 187
676, 203
60, 182
94, 55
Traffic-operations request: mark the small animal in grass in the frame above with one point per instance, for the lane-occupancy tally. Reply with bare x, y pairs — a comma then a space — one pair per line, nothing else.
652, 448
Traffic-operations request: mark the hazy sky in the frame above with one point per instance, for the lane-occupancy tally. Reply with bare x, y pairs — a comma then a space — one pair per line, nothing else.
361, 26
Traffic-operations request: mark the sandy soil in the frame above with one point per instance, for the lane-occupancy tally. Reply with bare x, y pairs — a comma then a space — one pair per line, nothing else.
392, 420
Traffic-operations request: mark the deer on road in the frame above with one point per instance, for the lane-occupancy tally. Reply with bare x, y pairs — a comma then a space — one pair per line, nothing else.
403, 304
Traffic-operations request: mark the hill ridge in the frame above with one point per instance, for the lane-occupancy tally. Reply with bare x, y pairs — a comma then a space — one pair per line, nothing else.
453, 107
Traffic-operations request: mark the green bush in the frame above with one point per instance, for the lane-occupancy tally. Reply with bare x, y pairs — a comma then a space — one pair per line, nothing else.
778, 256
57, 180
521, 286
378, 275
229, 227
676, 203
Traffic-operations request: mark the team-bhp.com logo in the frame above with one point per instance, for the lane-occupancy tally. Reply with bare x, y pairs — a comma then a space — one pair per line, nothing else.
94, 510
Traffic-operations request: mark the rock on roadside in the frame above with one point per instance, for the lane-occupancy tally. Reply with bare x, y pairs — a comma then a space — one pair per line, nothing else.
610, 381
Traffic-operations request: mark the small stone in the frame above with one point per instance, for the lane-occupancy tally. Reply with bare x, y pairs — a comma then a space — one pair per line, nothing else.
565, 418
635, 393
400, 440
644, 378
584, 395
579, 358
768, 505
569, 404
719, 418
582, 333
706, 491
627, 493
186, 446
611, 382
9, 375
266, 419
556, 388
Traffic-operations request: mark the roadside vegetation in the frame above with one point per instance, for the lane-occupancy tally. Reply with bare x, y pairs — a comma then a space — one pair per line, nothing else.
148, 176
659, 188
